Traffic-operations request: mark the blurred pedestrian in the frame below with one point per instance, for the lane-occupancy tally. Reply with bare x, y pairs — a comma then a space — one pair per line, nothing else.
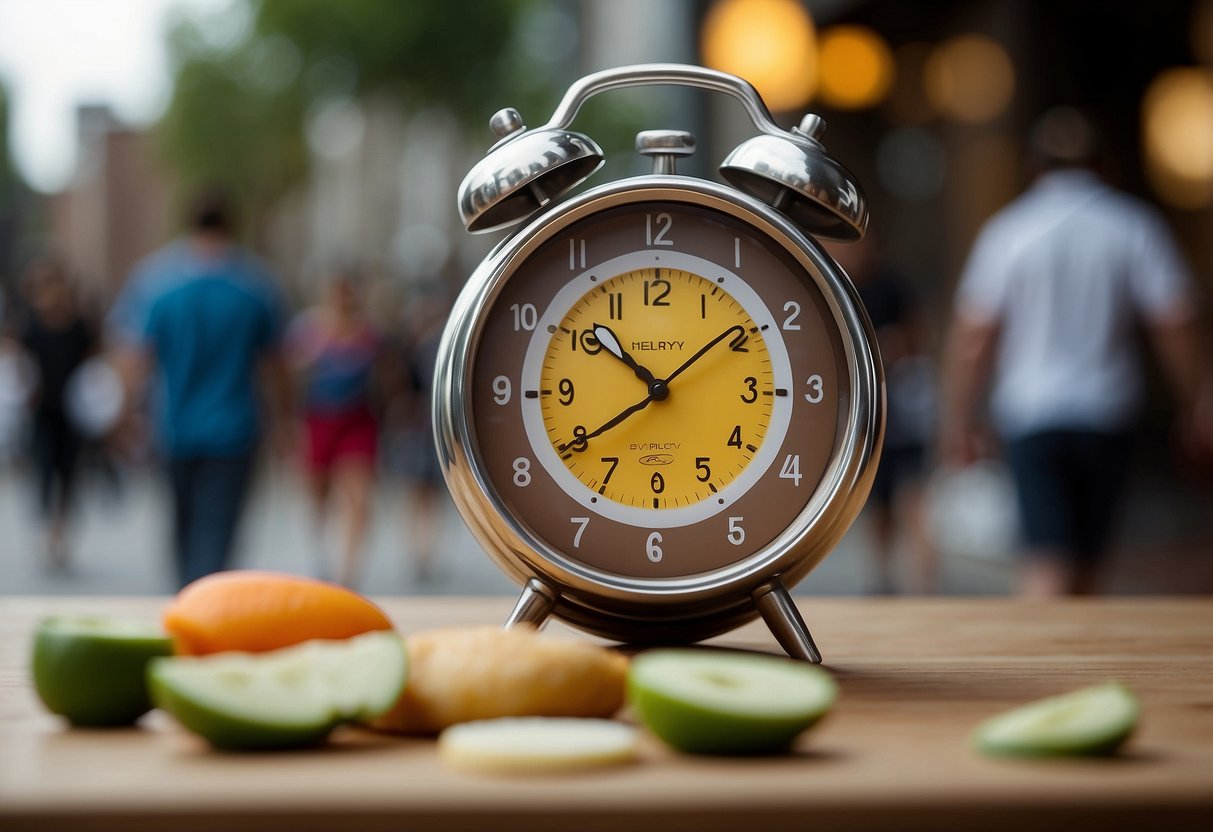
58, 339
203, 318
414, 454
335, 350
896, 505
1046, 309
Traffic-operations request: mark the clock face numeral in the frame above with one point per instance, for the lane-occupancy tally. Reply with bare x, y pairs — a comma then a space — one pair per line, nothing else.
816, 389
584, 341
751, 390
502, 390
525, 316
660, 290
567, 392
522, 472
790, 470
662, 223
735, 437
793, 310
613, 461
615, 306
580, 523
652, 549
576, 254
736, 533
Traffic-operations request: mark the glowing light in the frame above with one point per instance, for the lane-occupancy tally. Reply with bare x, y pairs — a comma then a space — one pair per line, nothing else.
970, 78
856, 67
1177, 123
770, 43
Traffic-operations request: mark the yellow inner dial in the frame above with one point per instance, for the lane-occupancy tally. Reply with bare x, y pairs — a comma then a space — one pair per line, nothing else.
656, 388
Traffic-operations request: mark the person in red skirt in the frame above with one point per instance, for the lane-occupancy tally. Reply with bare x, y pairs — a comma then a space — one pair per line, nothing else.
335, 349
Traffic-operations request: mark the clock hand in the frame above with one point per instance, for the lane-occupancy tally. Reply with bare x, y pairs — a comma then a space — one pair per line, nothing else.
657, 392
659, 389
608, 340
702, 351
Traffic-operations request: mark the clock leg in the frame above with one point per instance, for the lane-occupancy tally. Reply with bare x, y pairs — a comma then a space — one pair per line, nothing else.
534, 605
781, 615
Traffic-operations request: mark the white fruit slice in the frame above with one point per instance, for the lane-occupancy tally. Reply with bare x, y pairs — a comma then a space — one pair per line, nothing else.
289, 697
536, 744
715, 702
1091, 721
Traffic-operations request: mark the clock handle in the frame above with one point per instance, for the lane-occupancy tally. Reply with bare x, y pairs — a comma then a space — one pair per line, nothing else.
681, 75
534, 605
779, 611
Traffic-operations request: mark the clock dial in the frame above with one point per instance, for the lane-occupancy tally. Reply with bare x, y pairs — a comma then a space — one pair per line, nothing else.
688, 366
658, 387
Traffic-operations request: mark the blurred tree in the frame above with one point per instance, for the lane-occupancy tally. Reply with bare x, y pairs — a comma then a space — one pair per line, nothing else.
245, 83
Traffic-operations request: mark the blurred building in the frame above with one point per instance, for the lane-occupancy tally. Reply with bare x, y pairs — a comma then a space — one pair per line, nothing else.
383, 181
118, 205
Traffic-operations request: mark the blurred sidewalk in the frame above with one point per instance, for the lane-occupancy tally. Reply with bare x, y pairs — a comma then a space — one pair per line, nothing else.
119, 545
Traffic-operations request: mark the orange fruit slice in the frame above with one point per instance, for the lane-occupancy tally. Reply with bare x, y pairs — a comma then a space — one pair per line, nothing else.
258, 611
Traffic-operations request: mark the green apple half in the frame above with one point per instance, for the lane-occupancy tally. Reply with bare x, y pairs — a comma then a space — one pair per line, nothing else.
715, 702
1092, 721
283, 698
93, 670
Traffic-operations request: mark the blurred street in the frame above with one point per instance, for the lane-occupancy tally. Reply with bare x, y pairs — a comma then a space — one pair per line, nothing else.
120, 546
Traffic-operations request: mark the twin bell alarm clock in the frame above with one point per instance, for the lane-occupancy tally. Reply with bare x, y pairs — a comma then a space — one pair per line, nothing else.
658, 403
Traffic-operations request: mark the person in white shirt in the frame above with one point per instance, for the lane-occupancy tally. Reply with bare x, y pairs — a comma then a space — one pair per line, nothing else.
1045, 315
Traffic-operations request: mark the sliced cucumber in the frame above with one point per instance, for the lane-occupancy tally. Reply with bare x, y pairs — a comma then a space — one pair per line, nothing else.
536, 744
283, 698
1092, 721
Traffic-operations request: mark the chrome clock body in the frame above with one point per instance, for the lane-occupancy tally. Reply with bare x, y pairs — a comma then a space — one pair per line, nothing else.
757, 504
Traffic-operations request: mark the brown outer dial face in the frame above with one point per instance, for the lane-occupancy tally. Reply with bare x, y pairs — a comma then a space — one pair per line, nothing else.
769, 479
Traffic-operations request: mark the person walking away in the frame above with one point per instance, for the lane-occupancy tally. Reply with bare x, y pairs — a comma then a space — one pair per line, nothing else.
896, 507
203, 318
1046, 310
58, 339
335, 350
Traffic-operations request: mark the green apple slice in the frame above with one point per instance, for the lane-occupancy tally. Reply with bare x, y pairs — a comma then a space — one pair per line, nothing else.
283, 698
1092, 721
536, 744
713, 702
92, 670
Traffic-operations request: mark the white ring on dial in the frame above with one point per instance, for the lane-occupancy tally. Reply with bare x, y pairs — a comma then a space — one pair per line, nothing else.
536, 431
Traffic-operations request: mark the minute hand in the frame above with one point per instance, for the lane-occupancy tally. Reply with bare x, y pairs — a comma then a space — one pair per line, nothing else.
704, 349
578, 444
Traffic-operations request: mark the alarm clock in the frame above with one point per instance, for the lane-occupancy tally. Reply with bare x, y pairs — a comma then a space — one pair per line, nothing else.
658, 403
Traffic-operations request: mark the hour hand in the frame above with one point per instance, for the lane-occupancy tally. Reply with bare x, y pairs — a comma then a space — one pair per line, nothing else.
610, 343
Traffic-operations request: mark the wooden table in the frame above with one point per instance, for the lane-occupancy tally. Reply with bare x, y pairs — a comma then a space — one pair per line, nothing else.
915, 676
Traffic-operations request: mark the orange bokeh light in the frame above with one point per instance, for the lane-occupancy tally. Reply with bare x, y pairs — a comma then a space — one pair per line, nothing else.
970, 78
856, 67
770, 43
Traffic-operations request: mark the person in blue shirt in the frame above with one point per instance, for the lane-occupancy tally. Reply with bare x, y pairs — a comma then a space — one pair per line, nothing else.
203, 318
